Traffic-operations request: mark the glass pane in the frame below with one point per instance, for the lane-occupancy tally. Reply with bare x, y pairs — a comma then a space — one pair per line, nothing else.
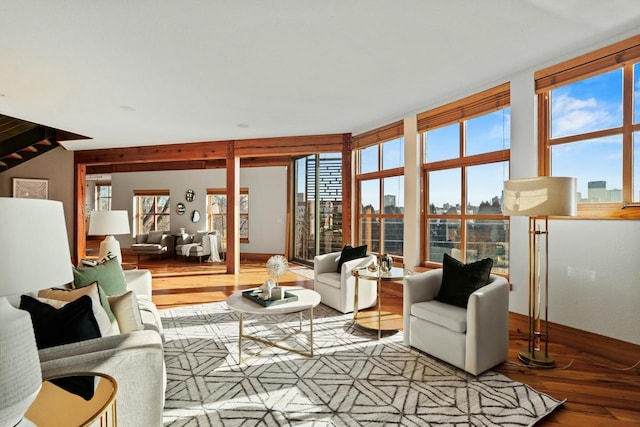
370, 196
305, 243
444, 191
330, 194
484, 188
163, 204
488, 239
244, 203
393, 236
444, 236
163, 223
597, 165
636, 167
393, 195
369, 159
104, 204
442, 143
636, 93
244, 226
490, 132
587, 105
370, 234
393, 154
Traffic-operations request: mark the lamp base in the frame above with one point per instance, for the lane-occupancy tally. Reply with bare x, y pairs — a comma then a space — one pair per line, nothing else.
110, 244
537, 359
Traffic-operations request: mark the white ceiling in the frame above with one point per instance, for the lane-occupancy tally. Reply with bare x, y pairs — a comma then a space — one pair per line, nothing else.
145, 72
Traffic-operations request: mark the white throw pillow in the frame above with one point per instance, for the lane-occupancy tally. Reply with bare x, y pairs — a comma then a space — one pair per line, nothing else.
125, 308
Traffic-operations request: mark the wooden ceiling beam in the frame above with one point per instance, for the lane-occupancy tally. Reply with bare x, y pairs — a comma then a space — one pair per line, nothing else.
154, 153
289, 145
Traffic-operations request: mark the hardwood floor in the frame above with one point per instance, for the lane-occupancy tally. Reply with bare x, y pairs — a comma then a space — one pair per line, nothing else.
598, 391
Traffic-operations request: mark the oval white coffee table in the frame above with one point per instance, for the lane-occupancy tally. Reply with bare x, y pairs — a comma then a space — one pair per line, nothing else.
307, 300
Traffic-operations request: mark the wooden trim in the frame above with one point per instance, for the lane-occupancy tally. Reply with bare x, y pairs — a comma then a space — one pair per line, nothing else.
347, 197
163, 192
223, 191
480, 103
587, 65
478, 159
381, 134
79, 217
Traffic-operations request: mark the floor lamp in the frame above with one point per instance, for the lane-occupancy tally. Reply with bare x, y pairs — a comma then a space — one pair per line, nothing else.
34, 255
539, 198
108, 223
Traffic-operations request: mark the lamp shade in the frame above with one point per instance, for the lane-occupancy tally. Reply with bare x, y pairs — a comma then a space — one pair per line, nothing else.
540, 196
108, 223
34, 255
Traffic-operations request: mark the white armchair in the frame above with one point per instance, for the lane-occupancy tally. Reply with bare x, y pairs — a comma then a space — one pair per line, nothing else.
337, 290
199, 245
474, 339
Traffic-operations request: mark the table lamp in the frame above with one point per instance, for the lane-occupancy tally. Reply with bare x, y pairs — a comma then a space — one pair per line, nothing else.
108, 223
539, 198
34, 255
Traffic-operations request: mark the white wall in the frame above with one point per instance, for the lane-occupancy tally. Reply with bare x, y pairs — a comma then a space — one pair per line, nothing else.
267, 200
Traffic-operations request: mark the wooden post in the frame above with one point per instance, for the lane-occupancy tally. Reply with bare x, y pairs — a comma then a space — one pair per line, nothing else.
80, 220
233, 210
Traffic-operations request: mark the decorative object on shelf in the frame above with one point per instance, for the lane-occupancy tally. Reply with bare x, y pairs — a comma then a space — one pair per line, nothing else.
180, 208
539, 198
195, 216
373, 267
266, 288
277, 293
386, 263
108, 223
25, 221
190, 195
277, 265
28, 188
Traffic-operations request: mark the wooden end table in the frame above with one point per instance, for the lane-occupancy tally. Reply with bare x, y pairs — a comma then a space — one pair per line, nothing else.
58, 406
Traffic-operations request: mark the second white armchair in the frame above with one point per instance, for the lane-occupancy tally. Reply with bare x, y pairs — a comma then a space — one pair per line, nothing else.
337, 289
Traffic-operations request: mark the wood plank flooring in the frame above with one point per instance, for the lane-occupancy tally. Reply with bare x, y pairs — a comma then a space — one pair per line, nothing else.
598, 391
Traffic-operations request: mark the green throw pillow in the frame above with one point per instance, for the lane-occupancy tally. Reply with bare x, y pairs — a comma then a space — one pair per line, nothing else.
109, 276
461, 280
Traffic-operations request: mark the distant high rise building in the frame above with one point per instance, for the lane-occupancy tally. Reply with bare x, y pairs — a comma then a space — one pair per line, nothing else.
597, 191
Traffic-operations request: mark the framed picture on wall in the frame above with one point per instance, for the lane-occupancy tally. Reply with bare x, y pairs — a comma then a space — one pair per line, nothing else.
29, 188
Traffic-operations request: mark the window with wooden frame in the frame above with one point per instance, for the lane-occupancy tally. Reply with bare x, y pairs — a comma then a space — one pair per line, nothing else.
380, 189
589, 128
217, 212
466, 146
152, 210
103, 196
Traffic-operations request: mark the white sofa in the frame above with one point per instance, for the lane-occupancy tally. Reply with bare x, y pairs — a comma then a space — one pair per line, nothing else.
134, 359
474, 339
337, 290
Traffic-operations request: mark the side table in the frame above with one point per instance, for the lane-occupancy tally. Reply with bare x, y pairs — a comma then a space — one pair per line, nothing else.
391, 322
75, 400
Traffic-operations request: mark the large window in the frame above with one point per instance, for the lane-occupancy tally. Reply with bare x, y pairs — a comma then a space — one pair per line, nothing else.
380, 189
152, 210
590, 128
466, 148
217, 212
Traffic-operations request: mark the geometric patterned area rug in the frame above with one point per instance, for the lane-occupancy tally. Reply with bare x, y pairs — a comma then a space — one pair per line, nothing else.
353, 379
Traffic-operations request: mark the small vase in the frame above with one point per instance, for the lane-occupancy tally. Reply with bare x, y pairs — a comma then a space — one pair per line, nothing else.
277, 293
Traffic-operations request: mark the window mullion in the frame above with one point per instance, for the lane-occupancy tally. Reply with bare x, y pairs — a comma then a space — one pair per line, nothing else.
627, 133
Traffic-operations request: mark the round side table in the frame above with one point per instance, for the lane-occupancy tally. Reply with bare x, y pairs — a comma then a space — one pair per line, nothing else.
74, 400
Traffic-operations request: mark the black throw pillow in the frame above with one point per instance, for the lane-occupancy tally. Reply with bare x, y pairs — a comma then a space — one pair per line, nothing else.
72, 323
349, 253
460, 280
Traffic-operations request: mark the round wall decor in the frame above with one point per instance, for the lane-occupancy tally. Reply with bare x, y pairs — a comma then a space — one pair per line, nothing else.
180, 208
190, 195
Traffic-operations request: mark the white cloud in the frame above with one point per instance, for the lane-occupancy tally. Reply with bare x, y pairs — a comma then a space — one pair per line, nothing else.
573, 116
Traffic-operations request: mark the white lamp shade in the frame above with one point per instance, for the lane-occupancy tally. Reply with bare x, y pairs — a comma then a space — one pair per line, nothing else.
34, 253
541, 196
106, 223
